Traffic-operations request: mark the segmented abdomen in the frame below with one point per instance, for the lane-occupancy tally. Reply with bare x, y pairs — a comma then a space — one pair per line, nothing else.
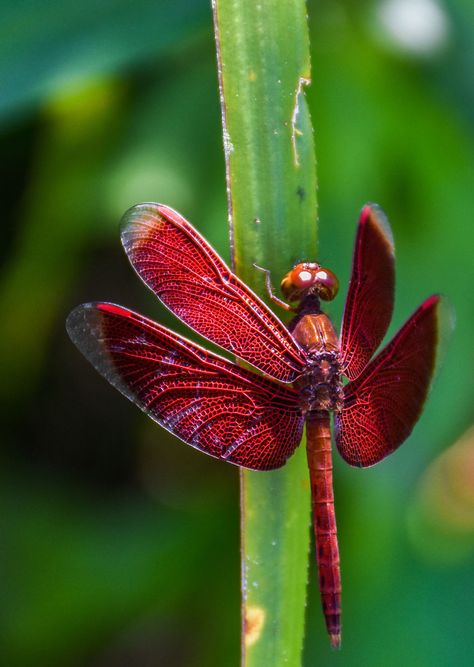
318, 434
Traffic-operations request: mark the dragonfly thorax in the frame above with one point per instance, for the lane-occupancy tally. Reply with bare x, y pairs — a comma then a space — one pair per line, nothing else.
320, 386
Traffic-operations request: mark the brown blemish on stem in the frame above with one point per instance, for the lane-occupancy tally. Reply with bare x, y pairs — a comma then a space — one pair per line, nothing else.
254, 622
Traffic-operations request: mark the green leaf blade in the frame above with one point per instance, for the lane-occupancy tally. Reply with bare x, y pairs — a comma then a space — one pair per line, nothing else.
264, 65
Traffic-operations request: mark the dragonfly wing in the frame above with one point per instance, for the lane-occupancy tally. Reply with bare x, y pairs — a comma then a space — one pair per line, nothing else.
207, 401
369, 302
190, 278
383, 404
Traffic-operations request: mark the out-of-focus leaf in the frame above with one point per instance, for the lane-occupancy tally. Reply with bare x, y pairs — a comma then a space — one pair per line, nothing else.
96, 157
60, 209
76, 571
49, 46
441, 518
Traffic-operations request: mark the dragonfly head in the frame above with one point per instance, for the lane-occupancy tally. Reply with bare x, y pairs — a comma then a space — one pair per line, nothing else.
309, 278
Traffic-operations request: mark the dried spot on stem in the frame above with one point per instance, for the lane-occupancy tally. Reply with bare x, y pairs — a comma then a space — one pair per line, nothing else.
254, 622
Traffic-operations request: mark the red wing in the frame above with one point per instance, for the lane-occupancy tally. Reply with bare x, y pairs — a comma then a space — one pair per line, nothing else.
383, 404
369, 301
207, 401
195, 284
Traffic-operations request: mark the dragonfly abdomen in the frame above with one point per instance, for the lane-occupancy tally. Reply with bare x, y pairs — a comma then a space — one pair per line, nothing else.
318, 439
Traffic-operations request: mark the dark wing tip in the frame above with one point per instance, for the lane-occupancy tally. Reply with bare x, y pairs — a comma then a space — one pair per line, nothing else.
83, 325
76, 321
445, 323
84, 329
140, 222
373, 214
146, 213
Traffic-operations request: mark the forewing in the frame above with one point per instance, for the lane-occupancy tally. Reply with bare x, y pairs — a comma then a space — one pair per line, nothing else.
207, 401
383, 404
369, 302
190, 278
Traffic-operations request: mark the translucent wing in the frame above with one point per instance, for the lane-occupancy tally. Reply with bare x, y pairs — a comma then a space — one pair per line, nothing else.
207, 401
194, 283
383, 404
369, 302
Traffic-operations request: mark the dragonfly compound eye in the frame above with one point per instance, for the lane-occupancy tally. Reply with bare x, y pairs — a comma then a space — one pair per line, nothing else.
327, 283
309, 278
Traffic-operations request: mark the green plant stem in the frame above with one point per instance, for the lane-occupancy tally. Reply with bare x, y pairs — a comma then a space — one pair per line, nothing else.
264, 64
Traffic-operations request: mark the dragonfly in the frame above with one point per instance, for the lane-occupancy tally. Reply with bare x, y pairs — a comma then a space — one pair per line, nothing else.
301, 373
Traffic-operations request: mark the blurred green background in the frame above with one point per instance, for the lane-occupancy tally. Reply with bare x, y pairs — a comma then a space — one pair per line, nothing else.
120, 546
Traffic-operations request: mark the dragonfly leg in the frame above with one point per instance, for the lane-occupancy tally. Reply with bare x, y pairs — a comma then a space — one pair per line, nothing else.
271, 294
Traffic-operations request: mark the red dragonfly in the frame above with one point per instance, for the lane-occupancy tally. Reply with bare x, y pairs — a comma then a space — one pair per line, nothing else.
255, 420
